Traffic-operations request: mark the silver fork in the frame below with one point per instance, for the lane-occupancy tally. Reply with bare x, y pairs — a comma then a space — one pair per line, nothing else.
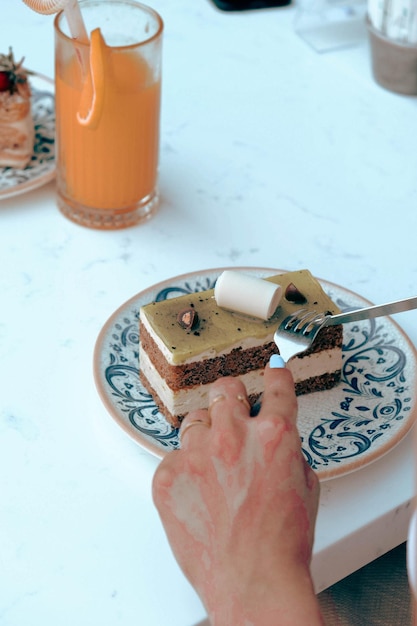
297, 332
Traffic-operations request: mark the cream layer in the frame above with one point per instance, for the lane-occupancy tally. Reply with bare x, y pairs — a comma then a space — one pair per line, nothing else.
185, 400
16, 142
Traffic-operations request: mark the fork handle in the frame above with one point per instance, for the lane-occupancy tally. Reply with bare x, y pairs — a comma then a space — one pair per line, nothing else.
398, 306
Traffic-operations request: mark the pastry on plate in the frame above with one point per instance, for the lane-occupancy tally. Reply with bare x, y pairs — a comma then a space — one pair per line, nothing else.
188, 342
17, 132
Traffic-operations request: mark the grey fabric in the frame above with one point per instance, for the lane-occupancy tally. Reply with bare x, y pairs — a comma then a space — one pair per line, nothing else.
376, 595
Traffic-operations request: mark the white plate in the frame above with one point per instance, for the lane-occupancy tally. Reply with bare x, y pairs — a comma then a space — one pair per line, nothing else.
41, 169
342, 429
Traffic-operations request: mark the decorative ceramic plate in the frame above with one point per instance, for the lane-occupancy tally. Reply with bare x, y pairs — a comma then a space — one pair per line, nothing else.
41, 169
342, 429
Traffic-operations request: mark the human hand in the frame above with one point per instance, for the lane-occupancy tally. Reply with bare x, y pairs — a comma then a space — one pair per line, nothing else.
239, 503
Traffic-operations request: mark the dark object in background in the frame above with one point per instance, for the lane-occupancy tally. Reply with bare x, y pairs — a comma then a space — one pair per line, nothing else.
243, 5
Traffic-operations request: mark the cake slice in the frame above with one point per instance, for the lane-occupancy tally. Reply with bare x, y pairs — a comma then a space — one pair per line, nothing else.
16, 124
186, 343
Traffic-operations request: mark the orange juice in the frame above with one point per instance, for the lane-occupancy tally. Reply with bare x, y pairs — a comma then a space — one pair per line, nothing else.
107, 116
115, 164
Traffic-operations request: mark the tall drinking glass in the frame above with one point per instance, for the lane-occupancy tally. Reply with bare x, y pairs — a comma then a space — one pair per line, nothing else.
108, 95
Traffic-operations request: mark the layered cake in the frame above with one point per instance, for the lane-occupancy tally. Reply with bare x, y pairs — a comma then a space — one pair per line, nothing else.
187, 342
16, 124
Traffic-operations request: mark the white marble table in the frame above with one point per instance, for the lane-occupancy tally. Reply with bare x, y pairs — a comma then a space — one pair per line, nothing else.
271, 155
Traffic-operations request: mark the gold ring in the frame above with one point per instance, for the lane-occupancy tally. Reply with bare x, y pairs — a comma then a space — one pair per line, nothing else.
190, 424
216, 399
244, 400
239, 397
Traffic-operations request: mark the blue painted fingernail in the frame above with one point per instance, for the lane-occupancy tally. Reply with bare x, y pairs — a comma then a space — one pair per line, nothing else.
276, 361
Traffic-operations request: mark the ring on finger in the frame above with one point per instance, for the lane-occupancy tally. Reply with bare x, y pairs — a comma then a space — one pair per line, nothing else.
190, 424
218, 398
244, 400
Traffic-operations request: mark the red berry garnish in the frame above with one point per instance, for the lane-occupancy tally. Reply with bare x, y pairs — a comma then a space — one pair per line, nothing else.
13, 77
5, 82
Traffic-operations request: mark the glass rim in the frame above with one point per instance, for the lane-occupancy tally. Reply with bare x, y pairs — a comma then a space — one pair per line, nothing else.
146, 9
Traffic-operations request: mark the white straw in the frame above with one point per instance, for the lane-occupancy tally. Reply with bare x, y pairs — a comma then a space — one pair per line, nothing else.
75, 21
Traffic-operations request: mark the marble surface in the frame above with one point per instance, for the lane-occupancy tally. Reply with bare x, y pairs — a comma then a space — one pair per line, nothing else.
271, 155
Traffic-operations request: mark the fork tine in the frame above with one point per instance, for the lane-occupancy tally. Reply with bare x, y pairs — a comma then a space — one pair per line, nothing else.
297, 332
292, 319
310, 324
295, 321
305, 321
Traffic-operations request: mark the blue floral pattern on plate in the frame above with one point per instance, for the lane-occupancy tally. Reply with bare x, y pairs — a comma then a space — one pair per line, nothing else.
41, 169
341, 429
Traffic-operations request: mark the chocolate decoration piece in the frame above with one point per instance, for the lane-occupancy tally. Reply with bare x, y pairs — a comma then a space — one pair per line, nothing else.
292, 294
187, 318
